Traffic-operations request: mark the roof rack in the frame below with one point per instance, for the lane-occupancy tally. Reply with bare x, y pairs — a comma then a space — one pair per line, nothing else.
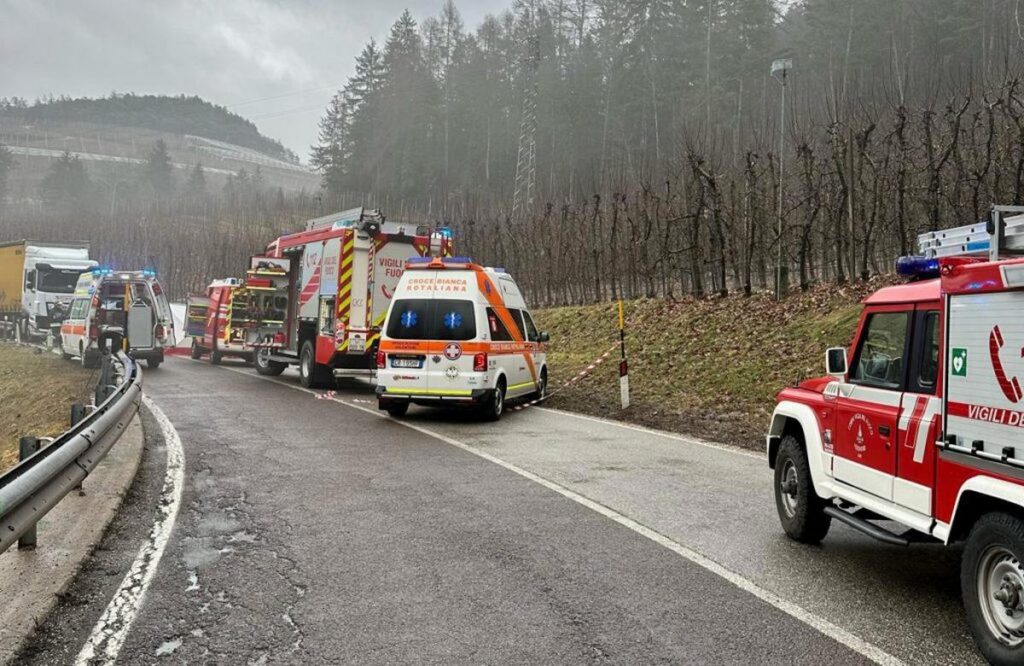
1002, 234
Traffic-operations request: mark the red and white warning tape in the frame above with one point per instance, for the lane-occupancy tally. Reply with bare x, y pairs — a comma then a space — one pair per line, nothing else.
585, 372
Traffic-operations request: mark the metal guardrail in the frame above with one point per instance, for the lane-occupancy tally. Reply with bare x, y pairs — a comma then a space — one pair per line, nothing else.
35, 485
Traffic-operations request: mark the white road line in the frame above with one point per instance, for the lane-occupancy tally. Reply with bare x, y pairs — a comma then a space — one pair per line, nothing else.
824, 626
108, 635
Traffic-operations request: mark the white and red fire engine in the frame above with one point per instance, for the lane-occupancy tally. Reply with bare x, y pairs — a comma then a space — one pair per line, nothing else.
318, 297
925, 426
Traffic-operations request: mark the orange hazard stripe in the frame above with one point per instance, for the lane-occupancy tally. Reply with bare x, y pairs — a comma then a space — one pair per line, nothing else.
493, 296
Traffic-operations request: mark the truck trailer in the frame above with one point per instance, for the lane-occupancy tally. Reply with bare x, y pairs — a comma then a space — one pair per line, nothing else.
318, 298
37, 284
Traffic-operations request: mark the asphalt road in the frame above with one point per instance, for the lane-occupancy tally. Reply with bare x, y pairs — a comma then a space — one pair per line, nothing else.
318, 531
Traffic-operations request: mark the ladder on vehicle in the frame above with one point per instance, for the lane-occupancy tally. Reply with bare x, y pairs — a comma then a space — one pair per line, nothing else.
1002, 234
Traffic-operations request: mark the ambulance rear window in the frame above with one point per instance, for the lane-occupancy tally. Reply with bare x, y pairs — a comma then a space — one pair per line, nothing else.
425, 319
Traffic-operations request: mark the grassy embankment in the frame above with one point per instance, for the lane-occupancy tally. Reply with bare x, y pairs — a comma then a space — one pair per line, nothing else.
708, 368
36, 393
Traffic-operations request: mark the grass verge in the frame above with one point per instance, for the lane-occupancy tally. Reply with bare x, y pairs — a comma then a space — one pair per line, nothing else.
36, 393
709, 368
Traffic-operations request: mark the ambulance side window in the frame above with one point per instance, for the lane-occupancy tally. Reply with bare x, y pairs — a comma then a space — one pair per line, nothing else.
880, 357
497, 329
530, 327
78, 308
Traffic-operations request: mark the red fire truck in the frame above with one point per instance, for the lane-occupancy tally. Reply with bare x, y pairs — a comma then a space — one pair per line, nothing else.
925, 426
216, 321
318, 297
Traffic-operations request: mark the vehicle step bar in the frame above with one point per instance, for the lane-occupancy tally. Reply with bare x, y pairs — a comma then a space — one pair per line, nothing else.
864, 526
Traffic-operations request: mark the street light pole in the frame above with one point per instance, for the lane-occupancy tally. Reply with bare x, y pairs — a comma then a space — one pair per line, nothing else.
780, 68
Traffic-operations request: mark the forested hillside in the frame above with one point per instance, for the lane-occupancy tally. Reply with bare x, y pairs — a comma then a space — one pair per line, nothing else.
178, 115
656, 146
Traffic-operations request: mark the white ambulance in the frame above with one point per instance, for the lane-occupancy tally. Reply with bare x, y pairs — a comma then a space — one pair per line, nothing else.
129, 303
458, 334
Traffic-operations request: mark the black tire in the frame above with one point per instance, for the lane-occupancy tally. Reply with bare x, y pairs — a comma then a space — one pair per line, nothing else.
265, 366
153, 363
542, 389
397, 409
215, 357
801, 511
995, 552
495, 405
311, 373
197, 352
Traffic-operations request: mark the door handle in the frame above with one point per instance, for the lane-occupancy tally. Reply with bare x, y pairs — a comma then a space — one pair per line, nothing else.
884, 430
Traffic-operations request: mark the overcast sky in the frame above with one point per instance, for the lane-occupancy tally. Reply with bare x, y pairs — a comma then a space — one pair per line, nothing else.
230, 52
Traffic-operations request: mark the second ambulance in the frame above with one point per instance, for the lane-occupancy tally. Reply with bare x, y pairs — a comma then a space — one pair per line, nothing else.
458, 334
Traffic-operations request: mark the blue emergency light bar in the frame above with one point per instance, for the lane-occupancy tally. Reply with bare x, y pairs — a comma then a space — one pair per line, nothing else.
918, 268
149, 272
102, 270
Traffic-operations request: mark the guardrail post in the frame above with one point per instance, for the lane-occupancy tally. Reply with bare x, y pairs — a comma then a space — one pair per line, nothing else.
26, 447
103, 386
77, 414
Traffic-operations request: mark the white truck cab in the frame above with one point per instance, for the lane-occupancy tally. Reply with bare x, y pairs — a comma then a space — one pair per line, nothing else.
458, 334
44, 275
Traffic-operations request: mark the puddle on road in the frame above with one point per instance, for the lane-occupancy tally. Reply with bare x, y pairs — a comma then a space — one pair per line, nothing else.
217, 523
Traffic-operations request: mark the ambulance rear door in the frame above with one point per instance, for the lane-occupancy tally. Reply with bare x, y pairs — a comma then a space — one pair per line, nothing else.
409, 329
456, 324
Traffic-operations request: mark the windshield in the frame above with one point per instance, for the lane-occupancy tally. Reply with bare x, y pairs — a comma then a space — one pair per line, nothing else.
424, 319
57, 281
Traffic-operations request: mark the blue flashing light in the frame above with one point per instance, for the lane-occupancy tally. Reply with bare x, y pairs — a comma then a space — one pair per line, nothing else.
458, 260
149, 272
918, 268
102, 270
419, 260
446, 232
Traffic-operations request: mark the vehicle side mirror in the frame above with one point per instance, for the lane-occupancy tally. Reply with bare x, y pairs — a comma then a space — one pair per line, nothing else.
835, 362
30, 280
543, 337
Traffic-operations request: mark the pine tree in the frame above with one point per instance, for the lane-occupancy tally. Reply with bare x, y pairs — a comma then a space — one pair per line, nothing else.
158, 174
195, 187
67, 185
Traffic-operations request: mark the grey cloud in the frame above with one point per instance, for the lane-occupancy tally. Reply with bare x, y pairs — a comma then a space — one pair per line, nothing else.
231, 52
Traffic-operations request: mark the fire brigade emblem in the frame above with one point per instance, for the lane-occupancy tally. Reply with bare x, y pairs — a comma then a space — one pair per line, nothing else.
453, 351
860, 422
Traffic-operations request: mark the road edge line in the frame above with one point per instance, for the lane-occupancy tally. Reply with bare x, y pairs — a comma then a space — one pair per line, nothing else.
108, 635
820, 624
